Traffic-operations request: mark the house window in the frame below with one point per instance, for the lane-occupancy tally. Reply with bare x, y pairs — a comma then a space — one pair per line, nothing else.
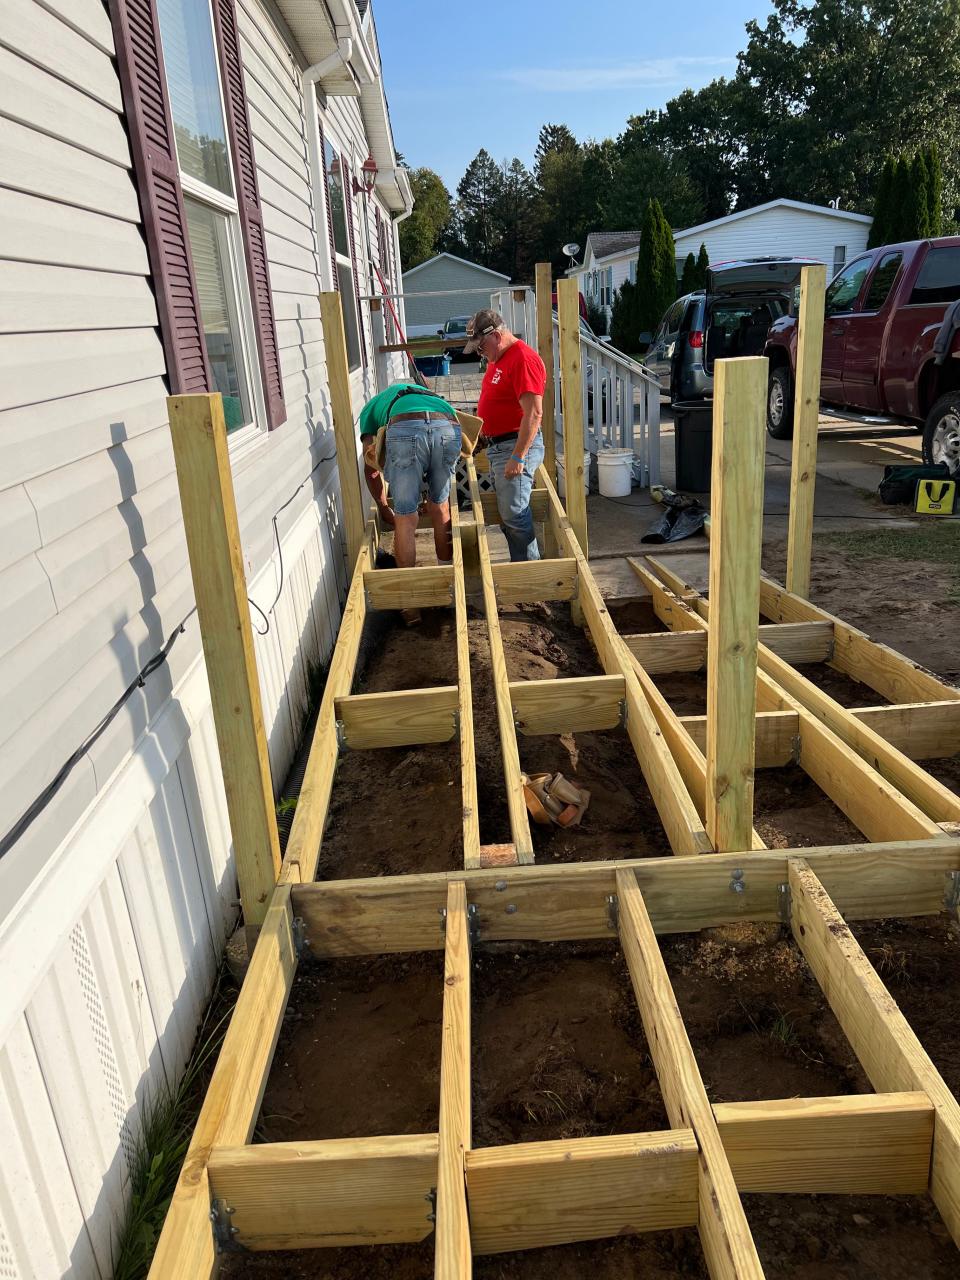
213, 223
839, 257
339, 212
632, 271
184, 99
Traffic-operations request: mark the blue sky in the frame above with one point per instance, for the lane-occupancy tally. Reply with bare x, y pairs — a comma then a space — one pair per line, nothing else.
464, 76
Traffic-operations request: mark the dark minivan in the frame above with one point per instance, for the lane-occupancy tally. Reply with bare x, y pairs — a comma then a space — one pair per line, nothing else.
730, 318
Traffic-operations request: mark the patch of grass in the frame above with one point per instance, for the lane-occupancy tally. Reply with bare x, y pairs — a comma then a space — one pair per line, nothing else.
782, 1029
166, 1127
932, 542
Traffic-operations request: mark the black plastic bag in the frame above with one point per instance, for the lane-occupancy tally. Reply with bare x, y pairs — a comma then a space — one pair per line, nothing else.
677, 523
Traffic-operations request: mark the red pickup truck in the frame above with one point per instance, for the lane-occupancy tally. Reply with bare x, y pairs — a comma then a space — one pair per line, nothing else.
891, 345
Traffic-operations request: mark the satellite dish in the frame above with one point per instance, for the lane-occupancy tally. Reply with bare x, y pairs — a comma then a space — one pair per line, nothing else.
571, 249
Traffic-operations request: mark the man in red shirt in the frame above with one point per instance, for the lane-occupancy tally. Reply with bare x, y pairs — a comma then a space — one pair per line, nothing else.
511, 406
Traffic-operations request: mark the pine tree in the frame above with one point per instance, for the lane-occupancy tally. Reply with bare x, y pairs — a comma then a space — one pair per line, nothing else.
688, 281
625, 324
921, 196
667, 259
478, 192
901, 204
703, 264
648, 303
880, 229
935, 191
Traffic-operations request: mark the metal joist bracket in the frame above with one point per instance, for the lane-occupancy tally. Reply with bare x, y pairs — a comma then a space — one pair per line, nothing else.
341, 731
951, 897
473, 924
623, 713
300, 939
224, 1232
613, 912
783, 902
796, 746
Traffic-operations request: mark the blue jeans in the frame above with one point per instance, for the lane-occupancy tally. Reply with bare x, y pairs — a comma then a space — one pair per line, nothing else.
513, 496
420, 454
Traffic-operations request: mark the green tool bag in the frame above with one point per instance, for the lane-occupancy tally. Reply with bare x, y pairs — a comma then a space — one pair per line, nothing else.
899, 484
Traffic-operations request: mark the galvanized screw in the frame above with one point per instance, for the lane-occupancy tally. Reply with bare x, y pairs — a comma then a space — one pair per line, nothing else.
511, 908
500, 886
736, 884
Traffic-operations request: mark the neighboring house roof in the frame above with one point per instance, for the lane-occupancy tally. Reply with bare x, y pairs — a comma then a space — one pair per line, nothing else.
782, 203
453, 257
606, 243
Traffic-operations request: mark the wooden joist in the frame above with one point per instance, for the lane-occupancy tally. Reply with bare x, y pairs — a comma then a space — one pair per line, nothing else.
883, 1040
566, 903
422, 588
398, 719
470, 814
681, 820
539, 505
576, 705
453, 1249
724, 1234
876, 807
530, 581
537, 1194
776, 742
303, 846
348, 1191
865, 1144
516, 806
878, 666
662, 652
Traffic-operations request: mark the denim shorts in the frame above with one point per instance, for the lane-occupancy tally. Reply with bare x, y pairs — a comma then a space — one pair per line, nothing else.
420, 455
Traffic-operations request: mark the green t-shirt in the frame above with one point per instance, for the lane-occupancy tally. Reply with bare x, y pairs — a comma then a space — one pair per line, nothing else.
373, 415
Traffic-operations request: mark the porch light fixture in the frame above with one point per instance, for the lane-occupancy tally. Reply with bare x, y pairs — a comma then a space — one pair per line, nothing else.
368, 176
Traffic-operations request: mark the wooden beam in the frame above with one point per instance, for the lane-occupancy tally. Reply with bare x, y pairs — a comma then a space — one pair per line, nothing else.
233, 1097
468, 760
429, 586
341, 407
879, 667
878, 809
539, 505
345, 1191
739, 406
516, 806
678, 812
776, 742
401, 719
566, 903
303, 846
662, 652
580, 704
453, 1250
209, 510
537, 1194
889, 1051
571, 386
806, 424
724, 1234
544, 287
530, 581
865, 1144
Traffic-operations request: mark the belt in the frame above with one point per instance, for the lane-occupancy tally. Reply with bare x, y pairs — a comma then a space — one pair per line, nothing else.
502, 439
420, 417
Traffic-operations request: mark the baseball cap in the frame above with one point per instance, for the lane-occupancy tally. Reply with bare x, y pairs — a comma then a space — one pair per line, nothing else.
479, 326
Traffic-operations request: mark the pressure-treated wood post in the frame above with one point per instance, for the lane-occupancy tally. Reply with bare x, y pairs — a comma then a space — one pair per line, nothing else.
216, 563
338, 376
806, 419
544, 283
568, 307
736, 528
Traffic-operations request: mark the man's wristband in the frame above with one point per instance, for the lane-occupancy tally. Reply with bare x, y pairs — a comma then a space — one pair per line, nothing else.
516, 457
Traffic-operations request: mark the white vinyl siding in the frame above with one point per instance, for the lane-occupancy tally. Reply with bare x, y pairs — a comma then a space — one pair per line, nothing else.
115, 904
476, 284
799, 233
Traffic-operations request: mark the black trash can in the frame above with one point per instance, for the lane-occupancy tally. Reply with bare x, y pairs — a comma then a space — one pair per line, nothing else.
693, 444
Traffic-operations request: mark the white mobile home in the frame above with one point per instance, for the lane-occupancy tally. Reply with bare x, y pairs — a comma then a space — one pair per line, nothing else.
445, 286
178, 182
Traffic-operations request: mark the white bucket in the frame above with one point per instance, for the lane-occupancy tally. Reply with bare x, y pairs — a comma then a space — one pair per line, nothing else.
615, 469
562, 474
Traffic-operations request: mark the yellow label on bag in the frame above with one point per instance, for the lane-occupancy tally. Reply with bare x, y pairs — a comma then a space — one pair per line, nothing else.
936, 497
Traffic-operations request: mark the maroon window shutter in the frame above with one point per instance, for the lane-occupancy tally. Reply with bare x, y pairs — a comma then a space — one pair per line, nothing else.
326, 200
348, 209
136, 32
248, 201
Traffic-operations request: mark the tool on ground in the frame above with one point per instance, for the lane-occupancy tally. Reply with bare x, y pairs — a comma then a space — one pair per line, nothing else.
936, 497
899, 483
552, 798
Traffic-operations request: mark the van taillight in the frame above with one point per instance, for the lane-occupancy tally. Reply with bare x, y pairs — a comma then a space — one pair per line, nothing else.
696, 338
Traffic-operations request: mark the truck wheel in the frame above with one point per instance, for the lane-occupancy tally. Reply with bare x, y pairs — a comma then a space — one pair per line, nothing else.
941, 434
780, 403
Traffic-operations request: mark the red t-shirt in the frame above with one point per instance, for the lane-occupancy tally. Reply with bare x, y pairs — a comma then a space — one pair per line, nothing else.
518, 371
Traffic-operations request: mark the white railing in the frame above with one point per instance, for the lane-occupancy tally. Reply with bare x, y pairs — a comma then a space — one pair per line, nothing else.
621, 399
